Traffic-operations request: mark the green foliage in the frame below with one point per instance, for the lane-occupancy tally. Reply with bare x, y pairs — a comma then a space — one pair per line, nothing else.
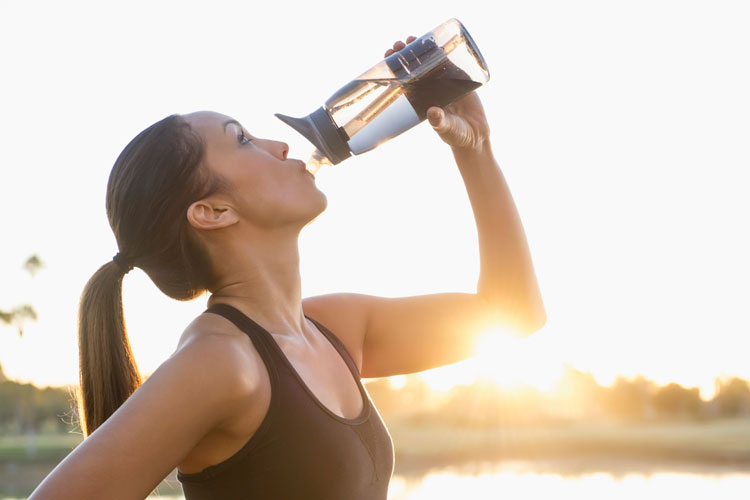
675, 400
33, 264
578, 398
733, 397
20, 314
631, 399
27, 408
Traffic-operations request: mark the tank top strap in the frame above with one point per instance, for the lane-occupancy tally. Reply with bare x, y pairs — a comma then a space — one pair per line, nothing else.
339, 346
263, 340
258, 335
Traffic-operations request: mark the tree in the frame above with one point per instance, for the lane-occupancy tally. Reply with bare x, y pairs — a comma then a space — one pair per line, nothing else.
33, 264
733, 397
630, 399
673, 400
20, 314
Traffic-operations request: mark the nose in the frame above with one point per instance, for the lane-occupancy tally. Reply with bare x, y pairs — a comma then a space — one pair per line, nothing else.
278, 149
284, 149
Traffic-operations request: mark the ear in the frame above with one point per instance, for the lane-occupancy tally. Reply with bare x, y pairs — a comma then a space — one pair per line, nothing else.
206, 215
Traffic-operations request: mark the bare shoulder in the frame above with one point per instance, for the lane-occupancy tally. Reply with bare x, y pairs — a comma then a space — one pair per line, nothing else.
214, 344
210, 326
203, 385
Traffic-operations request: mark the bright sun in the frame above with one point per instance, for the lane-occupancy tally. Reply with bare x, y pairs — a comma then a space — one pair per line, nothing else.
503, 358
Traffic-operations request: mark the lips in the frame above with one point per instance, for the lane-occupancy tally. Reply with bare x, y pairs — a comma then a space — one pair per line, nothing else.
303, 166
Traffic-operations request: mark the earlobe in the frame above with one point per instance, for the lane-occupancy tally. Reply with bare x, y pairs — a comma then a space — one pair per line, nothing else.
204, 215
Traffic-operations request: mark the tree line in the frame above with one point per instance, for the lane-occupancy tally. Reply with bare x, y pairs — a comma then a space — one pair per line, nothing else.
578, 396
25, 408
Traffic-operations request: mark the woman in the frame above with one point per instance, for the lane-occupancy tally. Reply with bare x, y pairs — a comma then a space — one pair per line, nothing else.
261, 399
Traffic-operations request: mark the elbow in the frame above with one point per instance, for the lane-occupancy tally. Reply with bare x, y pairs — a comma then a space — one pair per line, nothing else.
534, 316
522, 317
533, 323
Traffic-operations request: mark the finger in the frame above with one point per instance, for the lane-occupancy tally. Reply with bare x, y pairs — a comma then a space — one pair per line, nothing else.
436, 116
400, 45
452, 129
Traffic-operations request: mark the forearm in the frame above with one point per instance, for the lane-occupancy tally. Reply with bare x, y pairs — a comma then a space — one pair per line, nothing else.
506, 279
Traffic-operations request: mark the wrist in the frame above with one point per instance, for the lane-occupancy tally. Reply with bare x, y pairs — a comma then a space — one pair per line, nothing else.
474, 153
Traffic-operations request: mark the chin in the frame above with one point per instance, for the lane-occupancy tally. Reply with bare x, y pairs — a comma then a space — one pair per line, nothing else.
319, 209
322, 202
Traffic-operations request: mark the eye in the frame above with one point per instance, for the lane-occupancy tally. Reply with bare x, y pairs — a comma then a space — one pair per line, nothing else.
241, 138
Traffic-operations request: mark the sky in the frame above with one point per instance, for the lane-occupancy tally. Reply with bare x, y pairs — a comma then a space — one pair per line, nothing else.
621, 127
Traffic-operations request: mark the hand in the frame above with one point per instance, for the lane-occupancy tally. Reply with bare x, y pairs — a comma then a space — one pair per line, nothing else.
462, 124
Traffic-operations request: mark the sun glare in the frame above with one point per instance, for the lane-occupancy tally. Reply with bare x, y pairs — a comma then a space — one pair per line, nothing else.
445, 378
502, 358
397, 381
510, 361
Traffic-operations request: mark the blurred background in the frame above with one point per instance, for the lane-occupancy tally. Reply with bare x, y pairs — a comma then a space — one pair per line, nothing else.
621, 127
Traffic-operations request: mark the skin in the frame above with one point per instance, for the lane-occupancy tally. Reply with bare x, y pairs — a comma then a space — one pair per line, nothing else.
209, 397
251, 232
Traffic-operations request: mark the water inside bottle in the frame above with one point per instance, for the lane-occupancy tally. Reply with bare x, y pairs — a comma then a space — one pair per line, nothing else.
357, 104
317, 160
369, 112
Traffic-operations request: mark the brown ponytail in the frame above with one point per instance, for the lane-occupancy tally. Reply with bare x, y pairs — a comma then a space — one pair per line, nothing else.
108, 373
153, 182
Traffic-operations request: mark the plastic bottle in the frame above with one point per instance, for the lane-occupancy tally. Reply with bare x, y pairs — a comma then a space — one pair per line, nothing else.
393, 96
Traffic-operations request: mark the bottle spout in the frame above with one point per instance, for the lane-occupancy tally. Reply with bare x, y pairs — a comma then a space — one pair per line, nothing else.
321, 131
301, 125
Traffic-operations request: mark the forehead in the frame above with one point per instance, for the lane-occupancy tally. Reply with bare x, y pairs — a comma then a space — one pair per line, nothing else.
207, 123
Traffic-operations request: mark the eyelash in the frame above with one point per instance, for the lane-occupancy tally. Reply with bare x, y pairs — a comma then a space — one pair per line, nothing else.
241, 136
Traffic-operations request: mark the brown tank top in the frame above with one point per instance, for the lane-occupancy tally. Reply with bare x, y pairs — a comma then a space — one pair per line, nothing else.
301, 450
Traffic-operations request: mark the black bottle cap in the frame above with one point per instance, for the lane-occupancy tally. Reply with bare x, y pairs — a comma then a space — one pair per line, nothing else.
322, 132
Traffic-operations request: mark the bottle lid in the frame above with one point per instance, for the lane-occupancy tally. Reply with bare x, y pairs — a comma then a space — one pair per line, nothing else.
319, 128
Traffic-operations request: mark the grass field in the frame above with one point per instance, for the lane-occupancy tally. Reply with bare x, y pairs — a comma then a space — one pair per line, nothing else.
725, 442
720, 441
37, 448
420, 447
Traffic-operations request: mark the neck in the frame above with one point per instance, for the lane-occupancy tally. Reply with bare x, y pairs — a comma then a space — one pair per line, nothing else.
262, 280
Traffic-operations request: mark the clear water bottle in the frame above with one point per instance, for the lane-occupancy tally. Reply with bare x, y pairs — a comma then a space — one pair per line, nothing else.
394, 95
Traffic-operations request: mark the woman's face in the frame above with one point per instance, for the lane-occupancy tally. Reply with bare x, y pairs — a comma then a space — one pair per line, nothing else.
266, 188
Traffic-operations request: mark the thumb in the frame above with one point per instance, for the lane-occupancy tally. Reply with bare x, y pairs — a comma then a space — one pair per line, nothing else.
446, 125
452, 129
436, 116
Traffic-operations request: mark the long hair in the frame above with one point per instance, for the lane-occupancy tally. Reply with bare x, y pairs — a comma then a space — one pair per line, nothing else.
152, 183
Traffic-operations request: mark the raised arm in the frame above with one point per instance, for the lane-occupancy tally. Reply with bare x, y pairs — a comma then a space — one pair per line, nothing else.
390, 336
191, 393
507, 282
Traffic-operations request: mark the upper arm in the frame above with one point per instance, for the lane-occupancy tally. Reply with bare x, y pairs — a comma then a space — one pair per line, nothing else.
192, 392
410, 334
393, 336
345, 314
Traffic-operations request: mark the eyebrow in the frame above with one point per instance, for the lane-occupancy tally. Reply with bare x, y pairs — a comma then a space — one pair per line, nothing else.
229, 122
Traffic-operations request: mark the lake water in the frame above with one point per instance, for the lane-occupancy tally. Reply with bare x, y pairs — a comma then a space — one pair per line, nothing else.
533, 480
613, 480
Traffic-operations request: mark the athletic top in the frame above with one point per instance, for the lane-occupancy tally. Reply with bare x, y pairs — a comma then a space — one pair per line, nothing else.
301, 450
